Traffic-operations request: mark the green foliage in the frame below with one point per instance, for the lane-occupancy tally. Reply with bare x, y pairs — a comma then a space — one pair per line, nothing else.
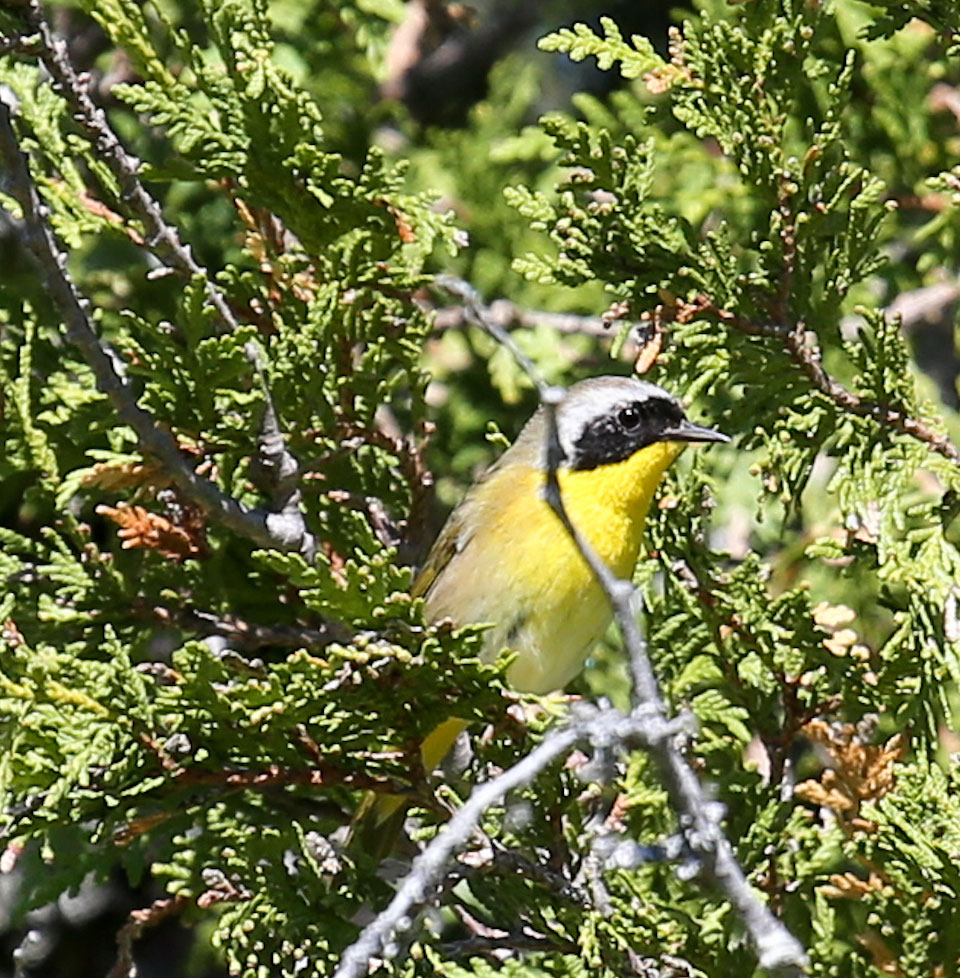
939, 14
190, 708
579, 42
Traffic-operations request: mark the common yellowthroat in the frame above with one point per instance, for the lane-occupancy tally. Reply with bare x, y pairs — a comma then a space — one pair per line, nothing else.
504, 558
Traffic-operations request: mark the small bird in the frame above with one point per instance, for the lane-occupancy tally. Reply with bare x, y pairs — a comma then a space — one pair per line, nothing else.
504, 558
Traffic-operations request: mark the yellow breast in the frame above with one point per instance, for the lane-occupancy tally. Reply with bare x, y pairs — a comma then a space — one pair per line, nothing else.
520, 571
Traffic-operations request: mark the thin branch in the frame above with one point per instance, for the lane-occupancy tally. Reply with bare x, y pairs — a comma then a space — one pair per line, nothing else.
322, 774
478, 314
245, 634
509, 315
928, 303
511, 861
589, 724
39, 240
700, 819
19, 44
500, 947
386, 530
325, 776
286, 525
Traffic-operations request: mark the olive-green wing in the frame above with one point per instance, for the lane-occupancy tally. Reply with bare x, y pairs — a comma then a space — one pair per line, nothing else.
461, 525
453, 538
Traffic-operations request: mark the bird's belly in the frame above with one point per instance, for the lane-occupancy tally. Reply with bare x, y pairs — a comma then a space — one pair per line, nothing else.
566, 611
557, 637
528, 578
525, 576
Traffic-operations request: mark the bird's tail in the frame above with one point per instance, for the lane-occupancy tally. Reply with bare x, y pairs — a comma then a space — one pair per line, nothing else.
379, 819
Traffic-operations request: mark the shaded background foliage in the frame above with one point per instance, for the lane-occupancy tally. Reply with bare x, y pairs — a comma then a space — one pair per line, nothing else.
763, 203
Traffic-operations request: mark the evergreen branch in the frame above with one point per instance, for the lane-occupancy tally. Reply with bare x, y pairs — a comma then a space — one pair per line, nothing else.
599, 727
808, 358
39, 240
776, 947
286, 524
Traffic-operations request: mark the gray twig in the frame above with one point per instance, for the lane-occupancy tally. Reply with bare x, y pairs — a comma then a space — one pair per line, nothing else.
508, 945
509, 315
245, 635
699, 818
601, 727
286, 525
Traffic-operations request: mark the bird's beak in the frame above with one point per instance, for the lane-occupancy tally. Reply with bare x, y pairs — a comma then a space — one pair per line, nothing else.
688, 431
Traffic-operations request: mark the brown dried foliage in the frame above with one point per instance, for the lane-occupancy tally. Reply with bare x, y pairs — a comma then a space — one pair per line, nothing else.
849, 886
11, 635
100, 209
861, 772
266, 240
141, 528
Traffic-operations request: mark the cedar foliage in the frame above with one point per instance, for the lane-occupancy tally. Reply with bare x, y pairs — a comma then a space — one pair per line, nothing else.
182, 705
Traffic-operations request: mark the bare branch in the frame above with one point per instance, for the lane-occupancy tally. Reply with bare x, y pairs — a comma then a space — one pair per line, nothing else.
478, 314
511, 861
925, 304
699, 818
38, 237
508, 945
286, 525
323, 776
509, 315
601, 727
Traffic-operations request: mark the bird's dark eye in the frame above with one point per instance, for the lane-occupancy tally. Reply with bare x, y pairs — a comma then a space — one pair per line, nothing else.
628, 417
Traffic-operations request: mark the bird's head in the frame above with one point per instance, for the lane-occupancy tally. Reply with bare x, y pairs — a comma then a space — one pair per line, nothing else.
606, 420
